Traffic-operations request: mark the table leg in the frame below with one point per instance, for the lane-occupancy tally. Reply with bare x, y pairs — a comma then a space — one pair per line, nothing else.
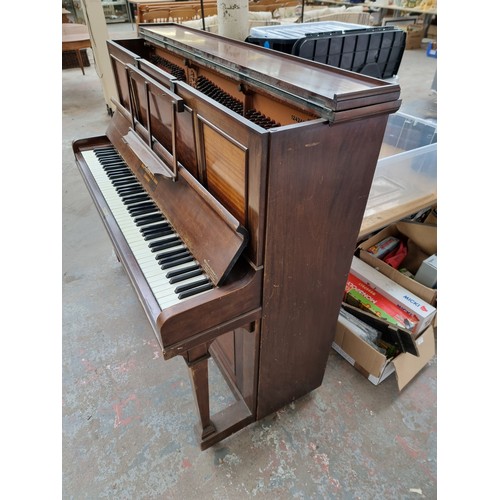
80, 60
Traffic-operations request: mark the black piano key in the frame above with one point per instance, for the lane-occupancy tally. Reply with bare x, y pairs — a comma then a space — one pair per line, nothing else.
170, 253
133, 201
175, 258
133, 189
115, 171
194, 291
177, 272
121, 182
163, 244
194, 284
139, 211
110, 160
137, 200
140, 208
116, 168
185, 276
139, 205
113, 176
155, 233
176, 262
153, 236
106, 152
155, 228
147, 219
134, 198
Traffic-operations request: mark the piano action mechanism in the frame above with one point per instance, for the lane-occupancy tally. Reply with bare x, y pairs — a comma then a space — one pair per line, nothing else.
232, 181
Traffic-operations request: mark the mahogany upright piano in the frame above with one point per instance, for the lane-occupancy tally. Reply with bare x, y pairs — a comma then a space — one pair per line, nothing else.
232, 182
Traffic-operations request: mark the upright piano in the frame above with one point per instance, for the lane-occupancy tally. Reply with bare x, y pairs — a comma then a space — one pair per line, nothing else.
232, 182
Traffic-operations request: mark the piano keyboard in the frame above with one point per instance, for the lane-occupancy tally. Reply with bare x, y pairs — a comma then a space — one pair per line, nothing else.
169, 268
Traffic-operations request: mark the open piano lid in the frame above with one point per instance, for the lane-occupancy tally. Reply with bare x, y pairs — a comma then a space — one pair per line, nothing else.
328, 90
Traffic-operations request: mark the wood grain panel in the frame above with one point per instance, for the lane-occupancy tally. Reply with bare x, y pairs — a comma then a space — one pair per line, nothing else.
225, 163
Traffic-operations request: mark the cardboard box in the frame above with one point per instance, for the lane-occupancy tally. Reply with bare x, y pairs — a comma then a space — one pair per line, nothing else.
374, 365
431, 216
422, 310
424, 237
432, 31
414, 35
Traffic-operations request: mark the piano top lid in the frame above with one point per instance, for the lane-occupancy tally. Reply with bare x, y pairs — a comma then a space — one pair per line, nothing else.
327, 88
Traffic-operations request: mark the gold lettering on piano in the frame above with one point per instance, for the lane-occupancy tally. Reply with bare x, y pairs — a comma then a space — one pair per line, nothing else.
210, 272
149, 176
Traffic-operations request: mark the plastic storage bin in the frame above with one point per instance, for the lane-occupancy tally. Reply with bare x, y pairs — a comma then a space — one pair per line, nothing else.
407, 166
370, 50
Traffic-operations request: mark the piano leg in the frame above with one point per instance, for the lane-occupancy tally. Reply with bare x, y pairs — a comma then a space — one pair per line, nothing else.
224, 423
197, 361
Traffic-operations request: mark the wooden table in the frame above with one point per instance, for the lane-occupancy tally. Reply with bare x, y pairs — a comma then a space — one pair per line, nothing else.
383, 218
75, 37
65, 16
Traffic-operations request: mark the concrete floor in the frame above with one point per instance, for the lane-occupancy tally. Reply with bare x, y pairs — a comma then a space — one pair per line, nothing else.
128, 416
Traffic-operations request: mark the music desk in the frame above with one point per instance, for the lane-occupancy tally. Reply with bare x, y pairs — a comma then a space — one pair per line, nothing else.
75, 37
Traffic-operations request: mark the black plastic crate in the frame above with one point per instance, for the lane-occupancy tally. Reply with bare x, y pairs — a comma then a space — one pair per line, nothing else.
369, 50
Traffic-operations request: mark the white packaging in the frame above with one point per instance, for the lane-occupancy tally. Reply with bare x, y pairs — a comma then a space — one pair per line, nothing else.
427, 272
395, 293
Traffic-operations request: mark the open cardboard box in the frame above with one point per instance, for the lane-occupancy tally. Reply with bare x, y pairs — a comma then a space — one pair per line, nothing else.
420, 313
374, 365
424, 238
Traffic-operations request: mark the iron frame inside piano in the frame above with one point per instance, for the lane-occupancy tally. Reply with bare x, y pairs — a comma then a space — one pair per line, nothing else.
238, 194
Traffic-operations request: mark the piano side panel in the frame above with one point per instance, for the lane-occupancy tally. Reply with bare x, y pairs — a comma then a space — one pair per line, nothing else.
119, 59
319, 181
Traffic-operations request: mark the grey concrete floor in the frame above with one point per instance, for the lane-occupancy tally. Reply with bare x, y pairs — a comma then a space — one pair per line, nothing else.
128, 416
